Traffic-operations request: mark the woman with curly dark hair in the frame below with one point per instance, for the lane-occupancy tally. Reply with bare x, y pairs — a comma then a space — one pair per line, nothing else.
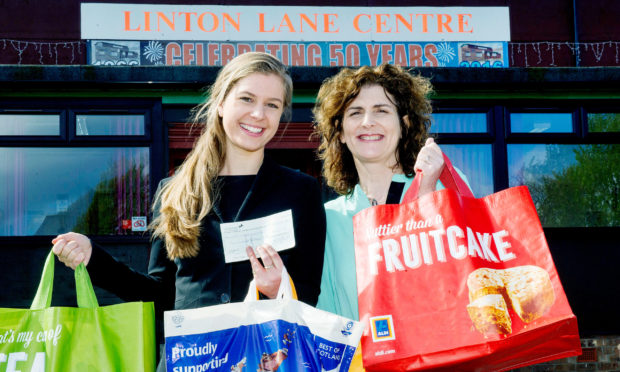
373, 123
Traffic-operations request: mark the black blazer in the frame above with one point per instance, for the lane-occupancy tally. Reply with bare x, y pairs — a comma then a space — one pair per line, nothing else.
206, 279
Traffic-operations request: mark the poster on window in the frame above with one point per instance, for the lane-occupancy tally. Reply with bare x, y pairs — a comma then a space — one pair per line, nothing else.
211, 53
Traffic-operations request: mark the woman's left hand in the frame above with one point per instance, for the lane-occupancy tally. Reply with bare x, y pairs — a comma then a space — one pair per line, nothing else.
430, 162
268, 274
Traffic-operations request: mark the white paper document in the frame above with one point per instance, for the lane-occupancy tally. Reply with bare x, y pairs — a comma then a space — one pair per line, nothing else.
275, 230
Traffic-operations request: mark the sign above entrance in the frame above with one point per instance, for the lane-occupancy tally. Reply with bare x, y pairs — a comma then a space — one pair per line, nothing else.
293, 23
193, 53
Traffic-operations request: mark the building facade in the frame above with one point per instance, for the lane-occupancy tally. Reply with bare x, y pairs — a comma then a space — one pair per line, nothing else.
88, 127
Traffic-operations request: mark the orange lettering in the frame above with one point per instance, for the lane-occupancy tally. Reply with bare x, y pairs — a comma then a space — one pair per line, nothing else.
308, 21
463, 22
408, 25
212, 53
400, 55
356, 24
314, 55
286, 20
201, 24
385, 53
127, 22
285, 54
188, 55
328, 22
200, 59
273, 49
298, 52
173, 54
232, 22
335, 52
441, 24
429, 52
261, 23
381, 22
415, 55
162, 16
373, 53
243, 48
424, 21
188, 21
147, 21
353, 55
227, 51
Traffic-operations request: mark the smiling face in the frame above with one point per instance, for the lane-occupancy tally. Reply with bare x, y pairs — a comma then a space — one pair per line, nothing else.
371, 127
251, 113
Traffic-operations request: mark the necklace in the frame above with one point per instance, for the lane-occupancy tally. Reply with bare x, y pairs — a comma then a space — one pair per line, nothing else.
373, 199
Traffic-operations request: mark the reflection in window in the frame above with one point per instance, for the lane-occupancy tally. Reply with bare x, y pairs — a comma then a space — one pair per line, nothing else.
571, 185
609, 122
29, 125
459, 123
541, 122
109, 125
89, 190
475, 161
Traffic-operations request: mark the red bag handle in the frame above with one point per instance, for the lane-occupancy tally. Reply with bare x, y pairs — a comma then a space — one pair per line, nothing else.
449, 177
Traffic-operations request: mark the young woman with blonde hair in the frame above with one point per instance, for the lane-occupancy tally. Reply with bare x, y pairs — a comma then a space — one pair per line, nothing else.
225, 178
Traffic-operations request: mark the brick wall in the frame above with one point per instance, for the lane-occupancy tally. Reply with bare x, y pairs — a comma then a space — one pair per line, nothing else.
599, 354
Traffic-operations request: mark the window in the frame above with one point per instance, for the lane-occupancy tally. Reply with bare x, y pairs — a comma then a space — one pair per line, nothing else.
465, 137
571, 184
109, 125
29, 125
541, 122
603, 122
476, 162
568, 156
573, 177
92, 174
460, 122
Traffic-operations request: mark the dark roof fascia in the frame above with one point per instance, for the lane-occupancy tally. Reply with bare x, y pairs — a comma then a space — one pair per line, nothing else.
175, 77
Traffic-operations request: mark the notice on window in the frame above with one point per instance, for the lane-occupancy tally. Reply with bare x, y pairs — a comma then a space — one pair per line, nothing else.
138, 223
275, 230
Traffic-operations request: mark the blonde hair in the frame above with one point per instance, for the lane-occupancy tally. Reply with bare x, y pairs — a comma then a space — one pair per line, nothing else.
410, 94
189, 195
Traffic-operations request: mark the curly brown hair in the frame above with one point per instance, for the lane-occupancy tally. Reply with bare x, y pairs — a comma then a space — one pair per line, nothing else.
336, 93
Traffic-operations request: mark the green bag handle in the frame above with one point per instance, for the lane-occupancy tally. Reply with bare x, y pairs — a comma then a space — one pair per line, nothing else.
85, 292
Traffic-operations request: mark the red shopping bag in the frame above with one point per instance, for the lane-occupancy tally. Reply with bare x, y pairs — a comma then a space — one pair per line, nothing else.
448, 280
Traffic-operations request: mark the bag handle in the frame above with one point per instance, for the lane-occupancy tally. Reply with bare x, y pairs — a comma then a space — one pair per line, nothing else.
449, 177
85, 293
286, 289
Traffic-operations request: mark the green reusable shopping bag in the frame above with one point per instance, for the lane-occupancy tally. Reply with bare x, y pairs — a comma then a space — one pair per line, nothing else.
87, 338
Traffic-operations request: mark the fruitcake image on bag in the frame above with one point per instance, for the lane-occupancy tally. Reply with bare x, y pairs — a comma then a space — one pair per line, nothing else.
527, 290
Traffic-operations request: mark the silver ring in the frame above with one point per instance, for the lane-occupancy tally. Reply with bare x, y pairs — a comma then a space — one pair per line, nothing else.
268, 267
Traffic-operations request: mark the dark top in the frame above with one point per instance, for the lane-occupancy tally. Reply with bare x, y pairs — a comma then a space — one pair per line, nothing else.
394, 193
233, 190
206, 279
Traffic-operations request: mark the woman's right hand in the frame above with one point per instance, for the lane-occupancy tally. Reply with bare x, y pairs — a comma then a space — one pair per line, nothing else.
72, 249
268, 274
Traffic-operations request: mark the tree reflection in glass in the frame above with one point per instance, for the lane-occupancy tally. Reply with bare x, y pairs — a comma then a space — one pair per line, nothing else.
571, 185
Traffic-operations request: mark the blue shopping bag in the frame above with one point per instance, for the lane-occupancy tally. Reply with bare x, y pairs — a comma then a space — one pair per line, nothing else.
268, 335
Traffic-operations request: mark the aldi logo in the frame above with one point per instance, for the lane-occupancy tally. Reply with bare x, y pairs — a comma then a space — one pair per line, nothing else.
382, 328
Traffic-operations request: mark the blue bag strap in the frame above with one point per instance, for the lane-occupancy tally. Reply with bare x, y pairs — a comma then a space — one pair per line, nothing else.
85, 293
